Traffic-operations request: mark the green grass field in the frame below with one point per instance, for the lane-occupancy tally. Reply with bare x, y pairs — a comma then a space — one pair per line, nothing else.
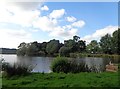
105, 79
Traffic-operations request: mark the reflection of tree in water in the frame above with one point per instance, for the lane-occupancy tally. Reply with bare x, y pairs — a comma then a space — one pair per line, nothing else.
95, 64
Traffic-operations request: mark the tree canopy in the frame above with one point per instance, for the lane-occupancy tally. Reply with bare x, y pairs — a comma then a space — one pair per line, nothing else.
109, 44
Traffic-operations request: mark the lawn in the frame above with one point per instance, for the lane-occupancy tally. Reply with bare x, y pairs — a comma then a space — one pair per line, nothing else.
84, 79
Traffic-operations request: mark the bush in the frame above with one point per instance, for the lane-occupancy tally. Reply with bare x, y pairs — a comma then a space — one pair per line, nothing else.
73, 55
60, 64
64, 51
15, 69
76, 67
41, 53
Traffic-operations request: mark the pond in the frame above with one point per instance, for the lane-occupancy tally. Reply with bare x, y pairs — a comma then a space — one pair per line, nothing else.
42, 64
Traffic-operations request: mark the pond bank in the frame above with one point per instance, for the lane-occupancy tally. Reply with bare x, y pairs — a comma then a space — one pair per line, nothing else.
104, 79
114, 57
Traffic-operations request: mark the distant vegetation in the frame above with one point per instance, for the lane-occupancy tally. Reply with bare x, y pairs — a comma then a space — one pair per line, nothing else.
7, 51
108, 45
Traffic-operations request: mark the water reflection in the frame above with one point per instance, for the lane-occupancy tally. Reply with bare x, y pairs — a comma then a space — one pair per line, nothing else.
95, 64
42, 64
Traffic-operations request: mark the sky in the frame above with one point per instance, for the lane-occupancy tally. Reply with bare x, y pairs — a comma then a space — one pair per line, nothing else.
37, 21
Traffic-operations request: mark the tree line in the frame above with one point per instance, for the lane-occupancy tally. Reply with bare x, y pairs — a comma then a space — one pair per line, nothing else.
109, 44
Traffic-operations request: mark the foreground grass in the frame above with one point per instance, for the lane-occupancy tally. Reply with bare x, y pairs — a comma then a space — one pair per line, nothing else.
105, 79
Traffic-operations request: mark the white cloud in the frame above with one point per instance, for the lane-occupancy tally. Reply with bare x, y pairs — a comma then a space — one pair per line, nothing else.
14, 13
44, 8
104, 31
26, 6
44, 23
57, 13
99, 33
79, 23
71, 19
67, 27
28, 15
12, 38
63, 33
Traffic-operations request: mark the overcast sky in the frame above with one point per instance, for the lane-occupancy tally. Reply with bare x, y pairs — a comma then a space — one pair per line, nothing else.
36, 21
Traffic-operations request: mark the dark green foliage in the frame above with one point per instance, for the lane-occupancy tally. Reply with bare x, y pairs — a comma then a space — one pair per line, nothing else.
76, 38
64, 51
32, 49
109, 44
73, 55
116, 41
52, 46
69, 43
93, 47
15, 69
62, 64
75, 44
80, 46
76, 67
43, 47
21, 49
106, 44
41, 53
118, 51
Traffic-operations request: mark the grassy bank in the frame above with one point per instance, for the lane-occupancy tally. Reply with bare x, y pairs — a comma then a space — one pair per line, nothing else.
105, 79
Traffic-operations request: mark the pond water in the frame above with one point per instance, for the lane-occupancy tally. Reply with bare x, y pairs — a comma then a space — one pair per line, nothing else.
42, 64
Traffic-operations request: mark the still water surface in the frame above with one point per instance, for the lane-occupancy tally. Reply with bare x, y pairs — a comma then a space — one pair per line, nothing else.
42, 64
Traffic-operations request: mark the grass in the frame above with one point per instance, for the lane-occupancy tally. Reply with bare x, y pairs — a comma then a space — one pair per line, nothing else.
104, 79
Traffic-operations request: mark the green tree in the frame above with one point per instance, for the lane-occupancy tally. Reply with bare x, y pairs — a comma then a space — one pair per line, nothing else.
76, 38
106, 44
116, 41
64, 51
93, 47
43, 46
81, 46
75, 44
21, 51
52, 46
32, 49
70, 44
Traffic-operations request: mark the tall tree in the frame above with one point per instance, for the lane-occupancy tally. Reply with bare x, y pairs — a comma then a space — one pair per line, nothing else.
105, 43
22, 49
32, 49
76, 38
64, 51
43, 47
93, 47
70, 44
116, 42
81, 46
52, 46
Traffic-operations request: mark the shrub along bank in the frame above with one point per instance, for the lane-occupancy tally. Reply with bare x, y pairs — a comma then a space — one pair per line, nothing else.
114, 57
68, 65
